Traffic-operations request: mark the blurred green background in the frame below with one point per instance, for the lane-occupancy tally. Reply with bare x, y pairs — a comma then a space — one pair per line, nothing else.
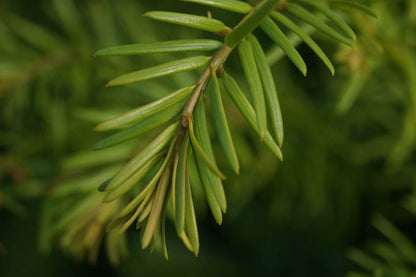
342, 201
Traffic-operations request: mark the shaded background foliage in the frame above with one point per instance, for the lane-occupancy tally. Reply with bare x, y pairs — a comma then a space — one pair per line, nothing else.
349, 145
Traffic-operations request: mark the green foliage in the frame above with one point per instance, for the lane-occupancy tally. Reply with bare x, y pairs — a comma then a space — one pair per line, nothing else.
250, 22
230, 5
188, 20
394, 258
191, 130
221, 123
177, 174
160, 71
257, 95
161, 47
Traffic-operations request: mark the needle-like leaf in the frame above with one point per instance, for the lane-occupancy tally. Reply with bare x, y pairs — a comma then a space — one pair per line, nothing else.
275, 53
404, 246
211, 199
366, 261
305, 37
145, 111
188, 20
229, 5
247, 111
157, 207
335, 18
141, 127
126, 224
151, 185
133, 179
116, 223
172, 46
186, 241
351, 92
274, 32
270, 92
34, 34
357, 6
163, 231
104, 185
146, 211
315, 21
87, 160
221, 124
82, 207
83, 184
202, 134
155, 238
173, 186
180, 186
201, 153
190, 218
250, 69
161, 70
143, 202
250, 22
143, 157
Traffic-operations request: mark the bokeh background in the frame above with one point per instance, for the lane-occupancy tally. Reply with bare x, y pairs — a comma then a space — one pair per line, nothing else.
343, 200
